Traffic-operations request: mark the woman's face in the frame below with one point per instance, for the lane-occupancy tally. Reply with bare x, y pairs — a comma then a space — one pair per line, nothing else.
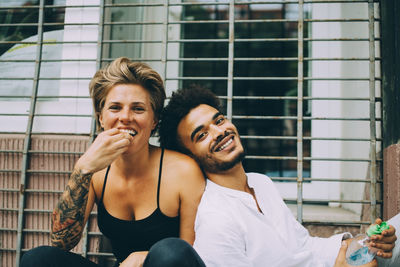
128, 108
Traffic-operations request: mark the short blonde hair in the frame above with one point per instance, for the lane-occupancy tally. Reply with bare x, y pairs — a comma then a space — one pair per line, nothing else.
123, 71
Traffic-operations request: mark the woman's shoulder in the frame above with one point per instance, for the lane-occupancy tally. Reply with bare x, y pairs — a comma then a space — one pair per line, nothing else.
180, 160
98, 181
182, 167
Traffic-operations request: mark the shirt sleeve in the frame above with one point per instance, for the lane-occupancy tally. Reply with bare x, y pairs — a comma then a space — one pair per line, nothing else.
324, 250
219, 241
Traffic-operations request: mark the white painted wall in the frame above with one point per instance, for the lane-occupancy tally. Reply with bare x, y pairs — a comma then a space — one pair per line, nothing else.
352, 129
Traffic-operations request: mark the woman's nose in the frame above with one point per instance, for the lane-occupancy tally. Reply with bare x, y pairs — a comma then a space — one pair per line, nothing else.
125, 115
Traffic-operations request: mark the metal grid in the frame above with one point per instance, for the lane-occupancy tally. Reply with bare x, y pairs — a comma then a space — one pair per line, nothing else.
26, 154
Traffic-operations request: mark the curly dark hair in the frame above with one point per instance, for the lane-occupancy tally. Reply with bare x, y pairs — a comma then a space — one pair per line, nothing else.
180, 104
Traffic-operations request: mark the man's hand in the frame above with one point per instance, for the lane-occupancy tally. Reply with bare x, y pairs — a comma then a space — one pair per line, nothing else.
135, 259
341, 258
384, 242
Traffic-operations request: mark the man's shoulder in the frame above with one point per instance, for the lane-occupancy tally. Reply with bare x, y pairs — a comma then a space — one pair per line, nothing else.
258, 178
214, 202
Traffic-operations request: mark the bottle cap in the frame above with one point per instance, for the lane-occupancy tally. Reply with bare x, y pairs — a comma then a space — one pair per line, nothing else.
377, 229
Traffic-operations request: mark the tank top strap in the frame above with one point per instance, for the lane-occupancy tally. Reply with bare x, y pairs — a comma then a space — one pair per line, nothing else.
159, 178
104, 184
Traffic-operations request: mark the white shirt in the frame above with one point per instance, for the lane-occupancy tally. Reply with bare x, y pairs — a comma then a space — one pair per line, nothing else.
231, 231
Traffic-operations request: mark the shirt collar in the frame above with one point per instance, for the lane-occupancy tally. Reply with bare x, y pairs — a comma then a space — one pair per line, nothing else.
227, 191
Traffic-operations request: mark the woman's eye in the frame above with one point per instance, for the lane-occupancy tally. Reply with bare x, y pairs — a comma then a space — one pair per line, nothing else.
138, 109
114, 107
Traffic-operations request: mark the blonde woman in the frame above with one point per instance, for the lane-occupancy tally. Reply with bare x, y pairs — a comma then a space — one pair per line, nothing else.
146, 196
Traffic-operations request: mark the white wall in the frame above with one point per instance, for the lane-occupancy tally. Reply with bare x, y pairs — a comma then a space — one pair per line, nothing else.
345, 129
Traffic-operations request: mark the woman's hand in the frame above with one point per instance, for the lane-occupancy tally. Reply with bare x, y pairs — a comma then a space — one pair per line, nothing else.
135, 259
104, 150
341, 258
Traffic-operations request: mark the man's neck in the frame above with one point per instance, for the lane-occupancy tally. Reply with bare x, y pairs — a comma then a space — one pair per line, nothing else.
234, 178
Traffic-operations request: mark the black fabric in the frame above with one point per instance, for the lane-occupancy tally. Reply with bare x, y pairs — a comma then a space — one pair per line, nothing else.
45, 256
169, 252
173, 252
136, 235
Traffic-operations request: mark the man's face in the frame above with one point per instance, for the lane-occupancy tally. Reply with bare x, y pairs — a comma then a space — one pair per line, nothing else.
212, 139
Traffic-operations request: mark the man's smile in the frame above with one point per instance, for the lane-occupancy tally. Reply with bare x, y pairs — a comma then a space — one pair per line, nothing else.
224, 143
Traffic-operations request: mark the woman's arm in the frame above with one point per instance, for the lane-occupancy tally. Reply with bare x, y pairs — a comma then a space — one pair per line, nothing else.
72, 211
191, 190
76, 203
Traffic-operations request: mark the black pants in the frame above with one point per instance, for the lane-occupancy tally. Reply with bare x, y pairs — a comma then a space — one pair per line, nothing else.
166, 252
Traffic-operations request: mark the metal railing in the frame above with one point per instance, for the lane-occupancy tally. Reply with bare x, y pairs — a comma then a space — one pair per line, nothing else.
373, 160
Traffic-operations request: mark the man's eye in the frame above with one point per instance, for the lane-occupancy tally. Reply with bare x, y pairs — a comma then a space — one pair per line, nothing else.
201, 136
220, 121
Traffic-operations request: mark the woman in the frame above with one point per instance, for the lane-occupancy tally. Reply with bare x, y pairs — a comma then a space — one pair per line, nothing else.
144, 193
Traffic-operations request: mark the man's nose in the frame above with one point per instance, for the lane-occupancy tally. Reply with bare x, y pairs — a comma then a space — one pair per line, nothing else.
217, 132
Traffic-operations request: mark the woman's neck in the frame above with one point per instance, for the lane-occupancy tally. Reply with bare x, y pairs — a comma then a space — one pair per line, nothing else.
134, 164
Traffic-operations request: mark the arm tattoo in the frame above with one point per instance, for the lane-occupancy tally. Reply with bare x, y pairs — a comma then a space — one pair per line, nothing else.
69, 215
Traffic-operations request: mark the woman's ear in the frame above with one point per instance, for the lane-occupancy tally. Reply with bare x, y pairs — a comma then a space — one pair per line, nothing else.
101, 120
154, 125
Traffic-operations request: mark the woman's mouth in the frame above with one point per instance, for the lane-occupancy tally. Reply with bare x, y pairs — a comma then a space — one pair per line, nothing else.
131, 132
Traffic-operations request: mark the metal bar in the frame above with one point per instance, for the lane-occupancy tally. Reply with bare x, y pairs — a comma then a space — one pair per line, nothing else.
47, 115
48, 42
305, 98
309, 158
270, 59
186, 4
335, 180
93, 122
45, 78
319, 201
239, 117
300, 80
372, 153
306, 138
377, 99
231, 52
164, 57
295, 118
293, 39
344, 180
27, 140
45, 97
272, 78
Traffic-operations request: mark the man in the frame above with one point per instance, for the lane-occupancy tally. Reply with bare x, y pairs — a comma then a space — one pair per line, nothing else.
241, 219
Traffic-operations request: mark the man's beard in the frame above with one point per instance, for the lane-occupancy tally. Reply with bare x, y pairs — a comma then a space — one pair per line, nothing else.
213, 165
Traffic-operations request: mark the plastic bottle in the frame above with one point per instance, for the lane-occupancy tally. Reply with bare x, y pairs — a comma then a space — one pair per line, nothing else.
359, 252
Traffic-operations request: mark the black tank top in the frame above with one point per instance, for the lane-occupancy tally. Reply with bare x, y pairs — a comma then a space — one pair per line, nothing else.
136, 235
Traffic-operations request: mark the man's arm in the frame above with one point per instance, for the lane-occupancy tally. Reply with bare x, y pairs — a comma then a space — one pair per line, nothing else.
72, 211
